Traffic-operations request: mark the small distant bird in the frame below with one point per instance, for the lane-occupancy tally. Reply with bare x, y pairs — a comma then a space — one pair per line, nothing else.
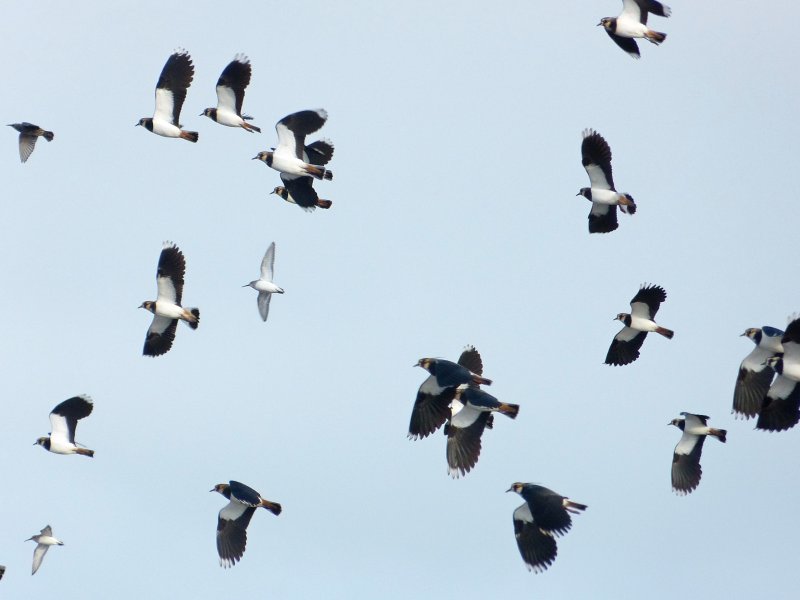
755, 375
432, 406
471, 413
544, 516
644, 306
27, 137
300, 190
2, 570
230, 94
632, 23
596, 159
288, 157
43, 542
175, 79
167, 309
686, 471
63, 422
235, 517
264, 285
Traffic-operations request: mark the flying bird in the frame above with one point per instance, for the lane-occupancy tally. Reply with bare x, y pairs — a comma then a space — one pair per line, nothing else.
755, 375
2, 570
596, 159
471, 413
175, 79
544, 516
28, 134
235, 517
43, 542
300, 190
230, 94
686, 471
432, 406
644, 306
63, 422
289, 157
780, 409
263, 285
632, 23
167, 309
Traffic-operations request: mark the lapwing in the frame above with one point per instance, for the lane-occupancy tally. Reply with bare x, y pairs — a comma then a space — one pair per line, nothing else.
167, 309
300, 190
432, 406
780, 409
230, 94
289, 157
644, 306
28, 134
686, 471
755, 375
596, 159
263, 285
632, 23
544, 516
235, 517
43, 542
175, 79
470, 413
63, 422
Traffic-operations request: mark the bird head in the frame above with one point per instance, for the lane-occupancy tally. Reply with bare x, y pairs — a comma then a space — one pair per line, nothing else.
209, 112
585, 192
281, 191
620, 317
221, 488
516, 487
606, 22
680, 423
425, 363
42, 441
148, 305
751, 332
264, 157
143, 122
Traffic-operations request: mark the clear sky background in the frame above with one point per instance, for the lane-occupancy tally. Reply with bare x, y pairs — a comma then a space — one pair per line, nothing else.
457, 128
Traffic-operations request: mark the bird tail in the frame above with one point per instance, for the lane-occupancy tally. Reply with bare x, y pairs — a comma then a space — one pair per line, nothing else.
319, 172
574, 506
655, 36
667, 333
272, 507
192, 136
248, 127
324, 203
478, 380
85, 452
718, 433
48, 135
192, 316
627, 204
509, 410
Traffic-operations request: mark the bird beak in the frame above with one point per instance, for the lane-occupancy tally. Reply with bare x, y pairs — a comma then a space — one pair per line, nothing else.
742, 334
272, 192
511, 489
600, 23
578, 194
137, 124
254, 158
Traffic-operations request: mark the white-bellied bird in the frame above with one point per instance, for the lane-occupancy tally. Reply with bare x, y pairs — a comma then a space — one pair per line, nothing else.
175, 79
755, 375
638, 323
632, 23
43, 542
63, 423
686, 471
230, 95
264, 285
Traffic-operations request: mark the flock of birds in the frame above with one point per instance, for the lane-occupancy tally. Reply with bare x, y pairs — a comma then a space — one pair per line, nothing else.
451, 397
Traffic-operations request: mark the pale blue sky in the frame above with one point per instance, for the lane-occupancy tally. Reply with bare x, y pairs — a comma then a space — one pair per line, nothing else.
457, 128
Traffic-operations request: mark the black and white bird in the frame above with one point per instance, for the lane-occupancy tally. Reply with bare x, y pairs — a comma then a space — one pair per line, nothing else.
644, 306
290, 158
686, 471
596, 159
300, 190
63, 422
632, 23
230, 94
544, 516
264, 285
780, 409
235, 517
755, 375
28, 134
43, 542
432, 406
167, 309
2, 571
470, 413
175, 79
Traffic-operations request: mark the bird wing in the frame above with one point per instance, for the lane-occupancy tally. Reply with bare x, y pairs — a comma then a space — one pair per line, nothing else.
752, 383
596, 159
232, 532
26, 145
65, 416
262, 300
602, 218
431, 408
268, 263
471, 360
169, 275
319, 153
464, 439
631, 9
629, 45
647, 300
548, 511
537, 548
160, 336
293, 129
175, 79
38, 555
302, 191
232, 83
625, 346
686, 470
780, 409
652, 6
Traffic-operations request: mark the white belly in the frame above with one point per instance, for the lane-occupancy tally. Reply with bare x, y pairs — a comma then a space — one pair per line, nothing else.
641, 324
166, 309
267, 286
231, 119
165, 128
630, 28
286, 163
605, 196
